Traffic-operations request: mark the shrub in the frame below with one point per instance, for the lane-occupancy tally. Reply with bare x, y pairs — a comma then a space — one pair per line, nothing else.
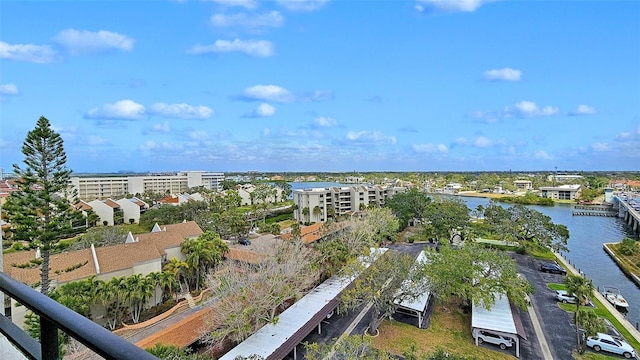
629, 247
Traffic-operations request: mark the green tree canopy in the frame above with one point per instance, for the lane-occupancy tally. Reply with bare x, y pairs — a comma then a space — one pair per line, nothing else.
522, 224
40, 211
382, 285
475, 273
408, 205
444, 215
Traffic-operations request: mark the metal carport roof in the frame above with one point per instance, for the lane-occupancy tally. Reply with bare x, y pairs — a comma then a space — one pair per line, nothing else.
275, 341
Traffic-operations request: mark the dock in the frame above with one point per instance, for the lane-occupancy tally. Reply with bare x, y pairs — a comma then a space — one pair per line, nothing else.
595, 213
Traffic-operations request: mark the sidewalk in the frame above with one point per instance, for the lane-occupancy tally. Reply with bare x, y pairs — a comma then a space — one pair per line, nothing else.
627, 325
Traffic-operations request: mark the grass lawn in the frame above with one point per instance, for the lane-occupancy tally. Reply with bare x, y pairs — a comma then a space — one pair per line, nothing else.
450, 330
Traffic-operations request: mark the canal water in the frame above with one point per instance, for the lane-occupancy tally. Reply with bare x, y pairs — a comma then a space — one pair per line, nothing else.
586, 236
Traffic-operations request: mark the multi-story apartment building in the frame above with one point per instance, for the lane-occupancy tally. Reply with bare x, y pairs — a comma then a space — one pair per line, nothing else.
320, 204
90, 188
562, 192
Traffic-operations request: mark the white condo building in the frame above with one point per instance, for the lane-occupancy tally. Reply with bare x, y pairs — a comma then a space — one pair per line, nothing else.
343, 200
89, 188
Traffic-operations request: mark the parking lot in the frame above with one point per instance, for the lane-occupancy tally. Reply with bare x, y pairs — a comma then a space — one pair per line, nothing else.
555, 323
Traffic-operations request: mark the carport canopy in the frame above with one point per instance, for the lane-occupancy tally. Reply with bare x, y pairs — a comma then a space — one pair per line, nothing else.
499, 320
276, 340
416, 306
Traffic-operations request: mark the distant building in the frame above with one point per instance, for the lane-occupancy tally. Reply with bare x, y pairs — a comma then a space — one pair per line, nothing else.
563, 177
90, 188
562, 192
342, 201
523, 185
451, 188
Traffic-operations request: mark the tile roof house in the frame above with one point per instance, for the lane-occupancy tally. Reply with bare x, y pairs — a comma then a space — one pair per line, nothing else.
145, 255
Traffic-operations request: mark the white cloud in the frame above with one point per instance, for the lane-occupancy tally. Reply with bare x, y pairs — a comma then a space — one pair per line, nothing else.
370, 137
272, 19
430, 148
583, 110
256, 48
88, 42
324, 122
198, 135
39, 54
302, 5
504, 74
181, 111
151, 145
247, 4
272, 93
265, 110
449, 5
523, 109
316, 96
542, 155
121, 110
600, 146
8, 89
95, 140
529, 109
163, 127
479, 142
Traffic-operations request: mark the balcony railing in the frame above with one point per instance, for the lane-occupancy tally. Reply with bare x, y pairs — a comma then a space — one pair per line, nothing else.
54, 316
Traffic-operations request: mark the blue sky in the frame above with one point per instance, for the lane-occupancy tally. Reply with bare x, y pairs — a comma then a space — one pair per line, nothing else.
319, 85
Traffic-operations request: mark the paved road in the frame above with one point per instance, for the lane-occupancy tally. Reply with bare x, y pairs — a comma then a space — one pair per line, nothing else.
557, 326
555, 323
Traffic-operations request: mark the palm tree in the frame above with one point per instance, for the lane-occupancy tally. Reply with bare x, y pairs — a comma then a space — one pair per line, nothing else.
169, 283
203, 253
331, 212
179, 269
580, 287
316, 212
305, 213
590, 322
154, 278
138, 290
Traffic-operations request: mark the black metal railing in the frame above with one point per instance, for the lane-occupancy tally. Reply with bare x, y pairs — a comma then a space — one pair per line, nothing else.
54, 316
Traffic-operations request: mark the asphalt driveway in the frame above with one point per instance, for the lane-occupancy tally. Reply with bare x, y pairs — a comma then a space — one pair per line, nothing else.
557, 324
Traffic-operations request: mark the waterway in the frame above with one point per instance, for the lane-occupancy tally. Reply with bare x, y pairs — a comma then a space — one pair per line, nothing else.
586, 236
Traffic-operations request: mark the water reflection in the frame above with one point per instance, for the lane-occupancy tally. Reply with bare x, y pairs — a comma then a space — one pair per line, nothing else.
587, 234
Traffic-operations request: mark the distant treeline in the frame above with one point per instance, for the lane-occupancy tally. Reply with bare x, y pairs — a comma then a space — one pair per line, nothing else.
527, 199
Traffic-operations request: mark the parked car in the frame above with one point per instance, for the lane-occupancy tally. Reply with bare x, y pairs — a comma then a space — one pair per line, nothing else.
565, 297
491, 338
608, 343
244, 242
553, 268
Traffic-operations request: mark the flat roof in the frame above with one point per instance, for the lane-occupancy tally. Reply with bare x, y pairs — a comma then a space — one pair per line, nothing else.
419, 303
271, 337
499, 318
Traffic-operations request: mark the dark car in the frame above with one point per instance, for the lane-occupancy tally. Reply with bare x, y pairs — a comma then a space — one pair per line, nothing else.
553, 268
244, 242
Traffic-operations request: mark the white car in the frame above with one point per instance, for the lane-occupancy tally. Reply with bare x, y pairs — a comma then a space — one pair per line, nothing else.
565, 297
607, 343
491, 338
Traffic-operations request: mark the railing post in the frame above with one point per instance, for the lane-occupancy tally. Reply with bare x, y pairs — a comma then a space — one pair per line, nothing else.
48, 339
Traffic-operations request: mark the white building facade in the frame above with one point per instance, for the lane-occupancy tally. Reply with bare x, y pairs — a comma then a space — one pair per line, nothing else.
90, 188
321, 204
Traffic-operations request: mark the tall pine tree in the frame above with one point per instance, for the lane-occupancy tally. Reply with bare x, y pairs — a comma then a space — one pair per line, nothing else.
40, 211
